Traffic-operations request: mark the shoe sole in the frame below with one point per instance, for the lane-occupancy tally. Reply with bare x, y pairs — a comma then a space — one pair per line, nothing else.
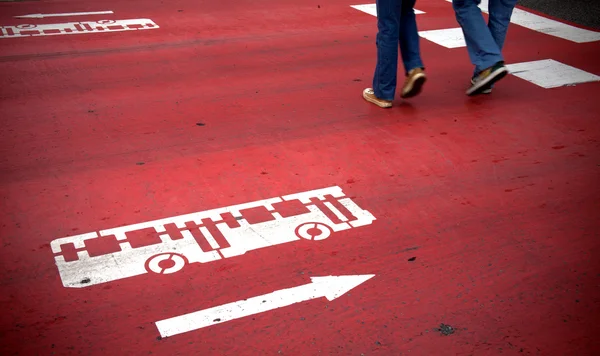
416, 87
487, 82
378, 103
486, 91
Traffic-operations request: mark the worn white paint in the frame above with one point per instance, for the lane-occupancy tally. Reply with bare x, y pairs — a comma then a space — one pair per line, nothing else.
330, 287
549, 73
177, 263
73, 28
335, 210
547, 26
41, 16
313, 231
553, 28
314, 225
209, 237
449, 37
371, 9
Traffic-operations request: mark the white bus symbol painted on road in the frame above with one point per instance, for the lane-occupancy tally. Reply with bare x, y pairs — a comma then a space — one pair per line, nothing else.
177, 244
74, 28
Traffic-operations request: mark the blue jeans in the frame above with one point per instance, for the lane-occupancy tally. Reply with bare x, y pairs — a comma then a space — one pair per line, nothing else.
484, 41
397, 25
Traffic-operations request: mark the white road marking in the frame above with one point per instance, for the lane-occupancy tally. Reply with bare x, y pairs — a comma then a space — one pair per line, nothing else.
323, 231
336, 211
177, 263
330, 287
41, 16
312, 225
449, 37
549, 73
547, 26
209, 237
362, 216
73, 28
371, 9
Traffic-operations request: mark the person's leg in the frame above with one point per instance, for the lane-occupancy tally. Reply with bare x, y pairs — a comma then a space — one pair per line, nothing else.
483, 50
409, 37
410, 50
481, 46
386, 70
500, 12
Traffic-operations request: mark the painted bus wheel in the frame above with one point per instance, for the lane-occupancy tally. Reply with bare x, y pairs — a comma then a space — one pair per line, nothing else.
313, 231
166, 263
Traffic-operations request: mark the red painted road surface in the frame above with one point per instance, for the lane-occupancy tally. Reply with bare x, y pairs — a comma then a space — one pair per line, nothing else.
487, 208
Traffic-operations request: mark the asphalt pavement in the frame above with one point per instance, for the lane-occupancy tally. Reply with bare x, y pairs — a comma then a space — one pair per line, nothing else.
581, 12
204, 178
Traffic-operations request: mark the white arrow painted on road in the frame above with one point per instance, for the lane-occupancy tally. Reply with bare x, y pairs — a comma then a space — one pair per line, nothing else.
330, 287
41, 16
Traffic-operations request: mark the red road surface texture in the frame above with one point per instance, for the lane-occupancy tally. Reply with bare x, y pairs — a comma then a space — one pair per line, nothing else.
487, 208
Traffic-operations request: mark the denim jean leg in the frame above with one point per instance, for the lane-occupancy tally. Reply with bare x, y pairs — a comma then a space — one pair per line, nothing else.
481, 46
409, 37
386, 70
500, 13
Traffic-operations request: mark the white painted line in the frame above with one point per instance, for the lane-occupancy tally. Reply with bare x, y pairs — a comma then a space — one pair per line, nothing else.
73, 28
449, 37
41, 16
553, 28
304, 197
330, 287
371, 9
177, 243
547, 26
336, 211
549, 73
209, 237
77, 241
177, 263
362, 216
